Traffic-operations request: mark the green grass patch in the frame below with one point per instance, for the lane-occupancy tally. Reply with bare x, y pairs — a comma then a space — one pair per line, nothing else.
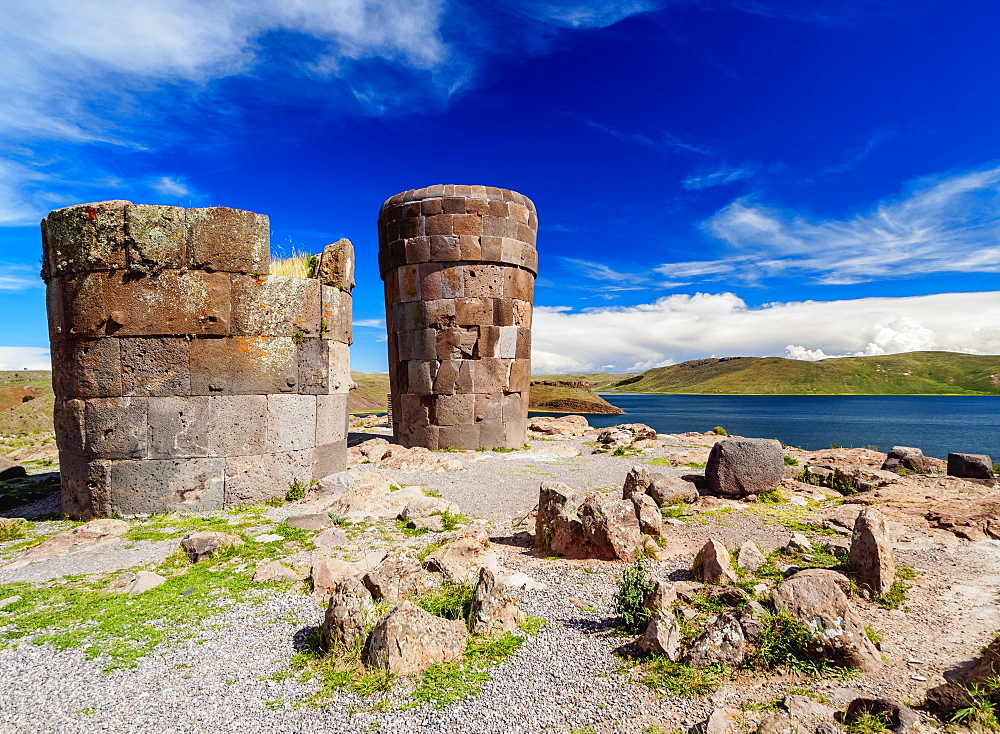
451, 601
772, 497
13, 530
662, 461
661, 674
17, 492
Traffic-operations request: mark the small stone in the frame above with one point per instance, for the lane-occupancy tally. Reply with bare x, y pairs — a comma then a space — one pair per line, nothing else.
434, 524
662, 636
722, 642
314, 521
492, 610
274, 571
806, 708
661, 598
331, 538
269, 538
798, 543
9, 600
712, 565
750, 556
343, 624
871, 558
208, 543
397, 577
143, 581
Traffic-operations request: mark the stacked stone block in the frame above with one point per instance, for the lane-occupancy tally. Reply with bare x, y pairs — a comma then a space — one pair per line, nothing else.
459, 266
186, 377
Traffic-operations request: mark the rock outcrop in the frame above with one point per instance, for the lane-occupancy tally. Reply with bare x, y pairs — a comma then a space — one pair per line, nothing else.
563, 427
738, 467
586, 526
343, 624
906, 458
397, 577
492, 609
410, 640
871, 557
970, 466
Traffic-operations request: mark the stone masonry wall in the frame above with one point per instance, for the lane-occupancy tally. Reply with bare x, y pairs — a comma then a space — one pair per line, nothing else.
186, 377
459, 266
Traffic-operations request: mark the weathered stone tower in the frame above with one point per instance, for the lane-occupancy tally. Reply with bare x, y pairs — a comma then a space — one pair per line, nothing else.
459, 266
186, 377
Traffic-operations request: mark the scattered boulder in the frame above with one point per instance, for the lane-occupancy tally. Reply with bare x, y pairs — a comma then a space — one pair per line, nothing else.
328, 572
397, 577
567, 426
721, 721
988, 665
947, 698
274, 571
712, 565
970, 466
387, 455
721, 642
798, 543
804, 708
661, 598
662, 635
493, 610
636, 482
460, 559
86, 537
370, 498
897, 717
906, 457
743, 466
750, 556
818, 603
779, 723
11, 469
871, 557
751, 617
650, 519
557, 526
410, 640
625, 434
343, 624
330, 538
208, 543
143, 581
843, 583
421, 507
313, 521
610, 527
666, 490
434, 524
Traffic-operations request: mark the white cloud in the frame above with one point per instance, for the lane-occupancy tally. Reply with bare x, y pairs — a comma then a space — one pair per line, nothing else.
24, 358
17, 277
586, 14
719, 177
680, 327
170, 186
370, 323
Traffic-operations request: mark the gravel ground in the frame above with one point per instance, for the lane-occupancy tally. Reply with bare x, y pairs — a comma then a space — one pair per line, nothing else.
563, 679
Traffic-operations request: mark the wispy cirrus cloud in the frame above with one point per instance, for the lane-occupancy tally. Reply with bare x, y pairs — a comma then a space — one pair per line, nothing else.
19, 277
704, 179
853, 158
660, 141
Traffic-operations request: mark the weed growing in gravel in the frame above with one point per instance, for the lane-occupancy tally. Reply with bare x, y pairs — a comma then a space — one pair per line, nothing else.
676, 511
773, 497
13, 530
664, 675
290, 533
785, 643
872, 634
410, 532
983, 711
791, 460
428, 492
428, 549
297, 489
451, 601
634, 585
868, 723
451, 520
662, 461
533, 625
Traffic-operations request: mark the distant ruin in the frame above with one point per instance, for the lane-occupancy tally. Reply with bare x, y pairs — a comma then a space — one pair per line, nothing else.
459, 266
186, 377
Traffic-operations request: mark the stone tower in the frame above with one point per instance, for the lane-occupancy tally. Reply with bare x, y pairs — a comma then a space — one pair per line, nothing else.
186, 377
459, 266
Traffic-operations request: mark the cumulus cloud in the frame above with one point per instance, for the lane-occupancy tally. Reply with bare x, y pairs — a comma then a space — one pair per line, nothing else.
170, 186
24, 358
681, 327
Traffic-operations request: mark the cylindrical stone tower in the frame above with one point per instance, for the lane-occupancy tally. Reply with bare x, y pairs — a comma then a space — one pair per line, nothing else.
459, 266
186, 377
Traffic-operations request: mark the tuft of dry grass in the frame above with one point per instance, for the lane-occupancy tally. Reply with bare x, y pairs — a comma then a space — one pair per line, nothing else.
300, 265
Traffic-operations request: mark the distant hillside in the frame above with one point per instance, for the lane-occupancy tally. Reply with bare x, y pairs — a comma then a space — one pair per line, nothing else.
568, 396
597, 380
25, 402
911, 373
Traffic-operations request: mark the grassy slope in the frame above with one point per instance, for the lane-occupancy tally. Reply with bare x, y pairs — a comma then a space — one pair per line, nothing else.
371, 393
913, 373
555, 398
597, 380
25, 417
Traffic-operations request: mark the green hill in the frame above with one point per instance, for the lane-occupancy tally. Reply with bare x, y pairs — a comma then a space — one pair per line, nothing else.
911, 373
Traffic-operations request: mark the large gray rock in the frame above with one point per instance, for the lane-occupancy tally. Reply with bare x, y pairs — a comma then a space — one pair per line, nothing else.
871, 557
343, 625
650, 519
970, 466
143, 582
492, 609
906, 457
397, 577
712, 565
11, 469
666, 490
208, 543
610, 528
662, 636
818, 603
410, 640
721, 642
743, 466
557, 526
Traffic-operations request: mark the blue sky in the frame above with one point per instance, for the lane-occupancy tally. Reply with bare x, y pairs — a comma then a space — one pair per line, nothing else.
734, 177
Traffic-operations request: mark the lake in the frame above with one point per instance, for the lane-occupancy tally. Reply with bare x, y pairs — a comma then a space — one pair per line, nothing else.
935, 424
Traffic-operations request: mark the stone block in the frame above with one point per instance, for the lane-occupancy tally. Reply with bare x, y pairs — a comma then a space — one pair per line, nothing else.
473, 311
421, 344
445, 247
525, 234
168, 302
291, 423
155, 237
413, 410
336, 265
453, 281
253, 479
397, 254
513, 409
516, 431
522, 314
85, 237
242, 365
518, 212
313, 366
430, 207
493, 435
87, 368
331, 419
69, 418
484, 280
408, 280
55, 309
329, 459
520, 375
431, 286
180, 427
453, 205
477, 206
523, 344
511, 251
489, 342
457, 343
469, 248
85, 487
445, 377
529, 259
166, 485
519, 284
468, 224
440, 225
411, 227
498, 209
154, 366
228, 240
491, 247
491, 375
420, 376
454, 410
238, 424
276, 305
465, 437
116, 428
439, 314
335, 322
418, 250
503, 311
489, 409
416, 435
508, 342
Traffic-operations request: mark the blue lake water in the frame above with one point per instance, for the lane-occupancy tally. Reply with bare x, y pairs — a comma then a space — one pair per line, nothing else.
935, 424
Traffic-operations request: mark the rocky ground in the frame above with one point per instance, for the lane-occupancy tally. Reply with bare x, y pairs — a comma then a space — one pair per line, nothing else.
212, 650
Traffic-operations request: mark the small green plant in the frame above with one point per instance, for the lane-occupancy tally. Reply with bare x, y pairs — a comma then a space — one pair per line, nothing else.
451, 520
868, 723
982, 709
428, 492
661, 461
451, 601
13, 530
662, 674
791, 460
894, 597
299, 336
695, 464
675, 511
772, 497
533, 625
836, 445
785, 643
297, 489
337, 519
625, 451
634, 586
720, 431
872, 634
